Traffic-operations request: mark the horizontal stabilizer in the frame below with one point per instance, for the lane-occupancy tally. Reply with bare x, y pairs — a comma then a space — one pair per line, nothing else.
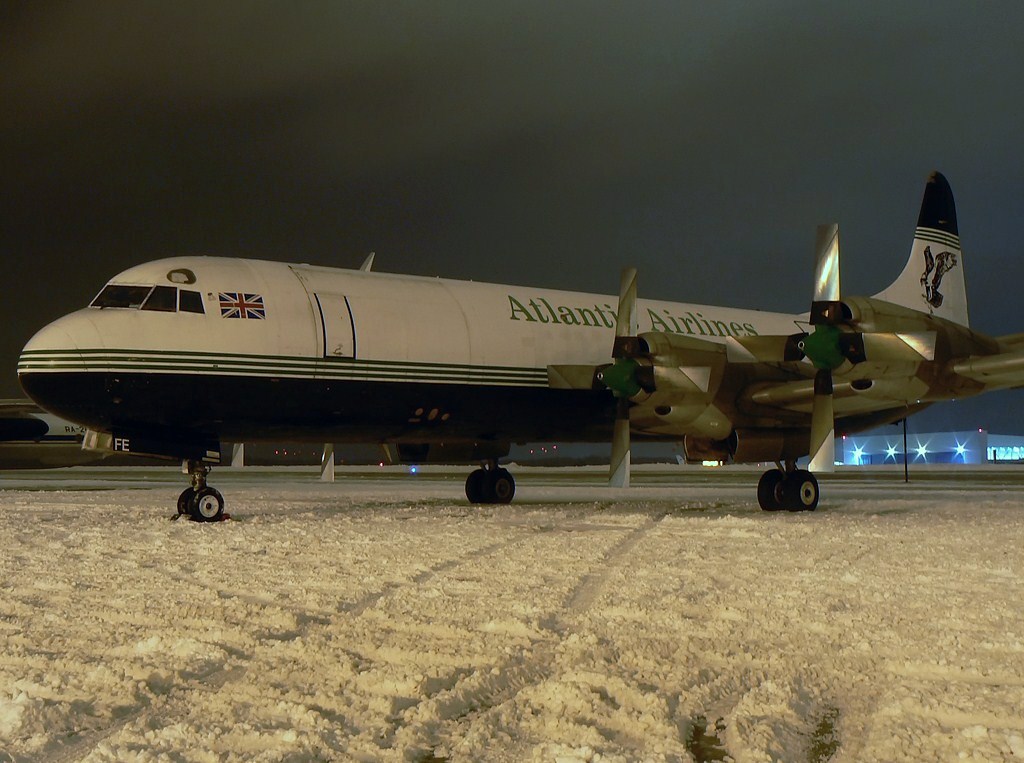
1003, 370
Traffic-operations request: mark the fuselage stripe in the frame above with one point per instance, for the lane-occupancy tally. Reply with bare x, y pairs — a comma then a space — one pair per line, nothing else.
102, 361
144, 356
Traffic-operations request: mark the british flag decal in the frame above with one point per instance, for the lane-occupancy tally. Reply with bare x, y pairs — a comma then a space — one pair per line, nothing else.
234, 304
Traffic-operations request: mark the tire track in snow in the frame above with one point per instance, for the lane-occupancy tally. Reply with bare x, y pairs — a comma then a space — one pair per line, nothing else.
177, 701
212, 681
589, 588
482, 691
372, 599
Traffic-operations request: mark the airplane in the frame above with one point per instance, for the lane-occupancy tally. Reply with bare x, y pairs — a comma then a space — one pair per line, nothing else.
30, 438
176, 355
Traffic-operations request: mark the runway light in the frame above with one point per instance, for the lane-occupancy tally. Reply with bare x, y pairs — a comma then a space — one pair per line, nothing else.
413, 469
922, 451
890, 451
961, 450
858, 454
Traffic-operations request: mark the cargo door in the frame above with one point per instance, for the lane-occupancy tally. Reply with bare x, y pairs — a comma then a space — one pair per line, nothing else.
337, 329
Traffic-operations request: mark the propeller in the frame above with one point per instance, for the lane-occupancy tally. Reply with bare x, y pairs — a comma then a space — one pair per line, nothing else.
834, 345
827, 347
621, 376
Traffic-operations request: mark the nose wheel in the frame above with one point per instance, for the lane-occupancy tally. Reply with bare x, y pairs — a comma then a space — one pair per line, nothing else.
200, 502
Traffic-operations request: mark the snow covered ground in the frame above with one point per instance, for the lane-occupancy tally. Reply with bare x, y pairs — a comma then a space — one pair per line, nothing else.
383, 618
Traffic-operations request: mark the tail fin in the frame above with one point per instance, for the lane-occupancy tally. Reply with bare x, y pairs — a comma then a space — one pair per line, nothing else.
933, 279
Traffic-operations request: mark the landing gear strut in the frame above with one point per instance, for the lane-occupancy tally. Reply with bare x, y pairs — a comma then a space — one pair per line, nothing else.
200, 502
791, 489
491, 484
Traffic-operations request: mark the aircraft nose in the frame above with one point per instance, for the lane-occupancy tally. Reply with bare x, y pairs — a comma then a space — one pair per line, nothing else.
52, 363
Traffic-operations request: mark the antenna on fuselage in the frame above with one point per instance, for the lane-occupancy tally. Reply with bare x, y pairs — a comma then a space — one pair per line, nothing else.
367, 263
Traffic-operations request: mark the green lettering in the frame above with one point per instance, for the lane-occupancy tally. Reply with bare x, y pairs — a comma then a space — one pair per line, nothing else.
615, 315
554, 318
604, 318
568, 316
721, 328
587, 316
735, 329
657, 322
540, 315
750, 329
517, 307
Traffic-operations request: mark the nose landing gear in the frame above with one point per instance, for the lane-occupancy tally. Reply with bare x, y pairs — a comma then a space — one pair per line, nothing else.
200, 502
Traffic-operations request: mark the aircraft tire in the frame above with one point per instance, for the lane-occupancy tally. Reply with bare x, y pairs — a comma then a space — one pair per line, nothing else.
207, 505
770, 490
503, 486
184, 500
476, 486
801, 491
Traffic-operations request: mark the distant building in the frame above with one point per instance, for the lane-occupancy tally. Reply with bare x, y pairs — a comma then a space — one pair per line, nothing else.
975, 446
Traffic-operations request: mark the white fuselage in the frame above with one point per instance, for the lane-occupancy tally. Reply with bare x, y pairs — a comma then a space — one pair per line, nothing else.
307, 351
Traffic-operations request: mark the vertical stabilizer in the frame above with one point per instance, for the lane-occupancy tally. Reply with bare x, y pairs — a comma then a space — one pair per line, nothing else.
933, 280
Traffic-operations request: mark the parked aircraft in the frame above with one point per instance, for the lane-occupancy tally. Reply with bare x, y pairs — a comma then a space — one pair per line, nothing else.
31, 438
174, 356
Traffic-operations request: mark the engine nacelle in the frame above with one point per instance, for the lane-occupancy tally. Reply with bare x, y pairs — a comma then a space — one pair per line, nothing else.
749, 446
695, 415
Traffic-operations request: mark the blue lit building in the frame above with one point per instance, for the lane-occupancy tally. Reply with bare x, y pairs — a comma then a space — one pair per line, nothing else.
881, 447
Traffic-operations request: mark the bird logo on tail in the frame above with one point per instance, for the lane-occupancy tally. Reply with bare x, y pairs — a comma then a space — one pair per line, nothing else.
935, 267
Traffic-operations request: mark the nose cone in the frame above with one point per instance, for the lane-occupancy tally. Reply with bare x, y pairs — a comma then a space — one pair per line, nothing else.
52, 365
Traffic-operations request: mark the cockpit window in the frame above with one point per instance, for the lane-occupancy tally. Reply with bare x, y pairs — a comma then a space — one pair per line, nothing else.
190, 301
163, 299
116, 295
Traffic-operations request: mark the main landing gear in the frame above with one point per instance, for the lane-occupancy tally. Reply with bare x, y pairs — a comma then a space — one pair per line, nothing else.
200, 502
791, 489
491, 484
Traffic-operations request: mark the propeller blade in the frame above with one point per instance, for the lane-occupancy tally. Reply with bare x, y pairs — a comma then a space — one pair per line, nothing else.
826, 265
823, 427
827, 347
618, 475
621, 376
625, 317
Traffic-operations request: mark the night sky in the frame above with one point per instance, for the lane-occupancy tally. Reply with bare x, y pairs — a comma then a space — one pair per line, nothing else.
538, 143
